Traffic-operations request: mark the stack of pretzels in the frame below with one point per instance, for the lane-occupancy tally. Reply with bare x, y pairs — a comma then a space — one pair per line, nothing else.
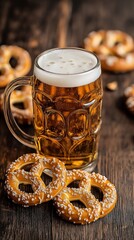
16, 62
58, 189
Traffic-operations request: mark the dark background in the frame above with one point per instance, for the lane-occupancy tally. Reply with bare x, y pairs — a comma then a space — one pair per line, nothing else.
36, 26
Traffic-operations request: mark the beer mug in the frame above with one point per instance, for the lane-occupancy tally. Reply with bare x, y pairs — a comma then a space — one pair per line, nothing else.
67, 102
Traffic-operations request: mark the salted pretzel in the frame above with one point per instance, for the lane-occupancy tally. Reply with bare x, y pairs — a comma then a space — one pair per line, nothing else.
24, 96
94, 209
129, 98
70, 212
41, 193
9, 72
114, 48
75, 214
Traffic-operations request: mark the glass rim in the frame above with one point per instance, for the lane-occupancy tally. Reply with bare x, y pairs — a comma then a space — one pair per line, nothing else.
36, 63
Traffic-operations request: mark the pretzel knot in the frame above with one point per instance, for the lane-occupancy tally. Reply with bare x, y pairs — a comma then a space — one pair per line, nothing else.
20, 67
94, 209
114, 48
41, 193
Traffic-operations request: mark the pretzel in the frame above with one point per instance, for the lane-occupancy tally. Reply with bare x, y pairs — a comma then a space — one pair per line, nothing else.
7, 72
75, 214
129, 96
41, 193
94, 209
95, 179
114, 48
24, 96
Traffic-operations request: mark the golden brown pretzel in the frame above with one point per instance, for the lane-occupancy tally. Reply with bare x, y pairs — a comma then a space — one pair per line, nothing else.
114, 48
75, 214
41, 193
7, 72
66, 209
24, 96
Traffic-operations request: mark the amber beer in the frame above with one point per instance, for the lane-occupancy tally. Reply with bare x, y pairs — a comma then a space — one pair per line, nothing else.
67, 101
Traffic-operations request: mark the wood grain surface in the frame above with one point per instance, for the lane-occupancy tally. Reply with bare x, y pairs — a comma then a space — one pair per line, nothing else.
35, 25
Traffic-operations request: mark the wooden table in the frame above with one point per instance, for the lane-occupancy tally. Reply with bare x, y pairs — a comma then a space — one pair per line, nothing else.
36, 26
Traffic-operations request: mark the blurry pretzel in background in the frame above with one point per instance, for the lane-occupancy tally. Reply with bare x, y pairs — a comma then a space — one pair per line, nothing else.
21, 66
16, 62
114, 48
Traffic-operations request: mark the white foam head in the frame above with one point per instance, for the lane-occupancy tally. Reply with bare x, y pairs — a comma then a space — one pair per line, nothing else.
67, 67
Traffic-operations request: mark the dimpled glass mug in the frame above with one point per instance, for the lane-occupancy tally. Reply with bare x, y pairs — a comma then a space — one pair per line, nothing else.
67, 100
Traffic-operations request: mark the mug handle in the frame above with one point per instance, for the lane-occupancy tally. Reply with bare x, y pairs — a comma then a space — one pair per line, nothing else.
17, 132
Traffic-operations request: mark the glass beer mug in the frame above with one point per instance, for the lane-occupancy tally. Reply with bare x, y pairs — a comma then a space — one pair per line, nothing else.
67, 101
